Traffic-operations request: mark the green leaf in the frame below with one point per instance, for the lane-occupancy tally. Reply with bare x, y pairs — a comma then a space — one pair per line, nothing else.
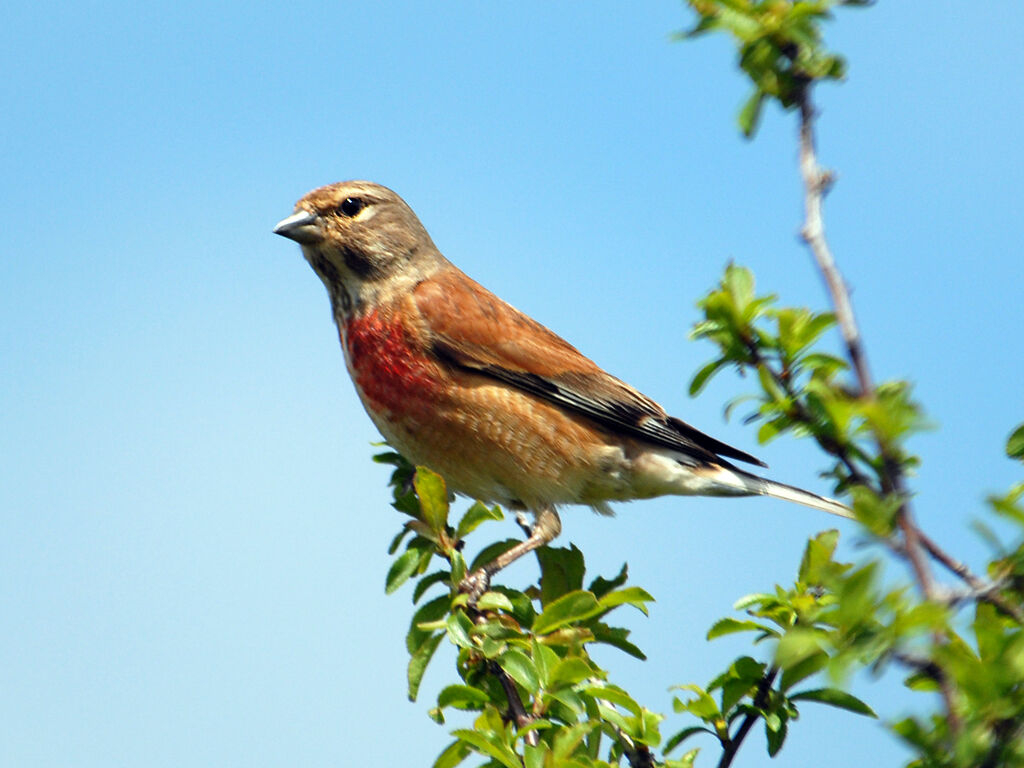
433, 498
430, 611
750, 113
615, 637
459, 627
1015, 443
802, 670
522, 606
574, 606
569, 671
418, 663
569, 698
739, 282
703, 706
475, 515
703, 376
825, 364
396, 542
426, 583
568, 739
400, 571
462, 697
493, 601
775, 729
796, 646
686, 761
561, 571
452, 755
835, 698
628, 725
490, 747
752, 599
520, 668
634, 596
769, 430
728, 626
601, 586
545, 660
683, 735
533, 755
614, 695
817, 555
748, 669
458, 572
733, 692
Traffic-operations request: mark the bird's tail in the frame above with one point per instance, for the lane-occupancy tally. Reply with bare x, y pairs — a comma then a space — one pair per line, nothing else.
744, 483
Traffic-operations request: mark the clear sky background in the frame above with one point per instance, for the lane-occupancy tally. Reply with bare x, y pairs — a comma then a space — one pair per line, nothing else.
192, 550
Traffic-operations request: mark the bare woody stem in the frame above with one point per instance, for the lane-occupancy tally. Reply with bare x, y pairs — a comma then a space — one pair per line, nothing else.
816, 184
985, 591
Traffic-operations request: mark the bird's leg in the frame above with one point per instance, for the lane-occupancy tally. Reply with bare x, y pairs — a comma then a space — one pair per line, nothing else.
546, 527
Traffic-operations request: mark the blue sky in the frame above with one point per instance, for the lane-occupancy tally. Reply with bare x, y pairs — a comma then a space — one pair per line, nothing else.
193, 547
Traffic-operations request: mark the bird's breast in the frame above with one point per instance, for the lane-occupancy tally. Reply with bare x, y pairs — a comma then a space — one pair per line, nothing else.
392, 372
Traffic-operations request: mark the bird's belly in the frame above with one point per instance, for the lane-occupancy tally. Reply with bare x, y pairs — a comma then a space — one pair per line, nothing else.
498, 444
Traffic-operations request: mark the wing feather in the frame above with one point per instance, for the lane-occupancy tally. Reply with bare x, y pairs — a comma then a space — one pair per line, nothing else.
475, 330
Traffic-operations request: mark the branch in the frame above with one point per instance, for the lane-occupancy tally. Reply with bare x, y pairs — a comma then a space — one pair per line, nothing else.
933, 671
637, 756
844, 452
985, 591
516, 711
816, 184
730, 748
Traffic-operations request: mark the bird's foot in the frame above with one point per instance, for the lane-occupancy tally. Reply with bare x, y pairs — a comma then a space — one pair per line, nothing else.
475, 584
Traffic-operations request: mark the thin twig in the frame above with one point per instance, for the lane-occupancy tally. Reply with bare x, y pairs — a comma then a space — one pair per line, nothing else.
516, 711
932, 670
638, 756
801, 415
985, 591
1006, 732
816, 184
730, 747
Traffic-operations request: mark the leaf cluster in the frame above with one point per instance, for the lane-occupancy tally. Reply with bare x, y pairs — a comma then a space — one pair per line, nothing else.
839, 617
780, 47
800, 622
522, 655
801, 391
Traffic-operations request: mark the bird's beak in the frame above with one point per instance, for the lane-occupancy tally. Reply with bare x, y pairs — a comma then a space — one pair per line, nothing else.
302, 227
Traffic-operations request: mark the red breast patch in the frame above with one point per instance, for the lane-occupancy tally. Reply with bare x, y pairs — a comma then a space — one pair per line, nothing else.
391, 371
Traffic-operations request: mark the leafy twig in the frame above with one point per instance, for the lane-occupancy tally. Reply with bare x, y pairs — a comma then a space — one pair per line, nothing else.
516, 711
986, 591
764, 688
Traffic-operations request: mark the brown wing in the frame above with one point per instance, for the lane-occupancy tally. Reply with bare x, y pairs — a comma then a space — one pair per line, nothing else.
477, 331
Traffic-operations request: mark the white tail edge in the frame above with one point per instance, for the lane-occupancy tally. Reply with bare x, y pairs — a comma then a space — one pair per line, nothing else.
739, 480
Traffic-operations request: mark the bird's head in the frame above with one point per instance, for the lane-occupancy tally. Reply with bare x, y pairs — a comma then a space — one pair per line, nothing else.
361, 239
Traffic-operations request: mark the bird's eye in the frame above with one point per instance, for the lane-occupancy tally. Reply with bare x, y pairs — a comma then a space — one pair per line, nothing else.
351, 207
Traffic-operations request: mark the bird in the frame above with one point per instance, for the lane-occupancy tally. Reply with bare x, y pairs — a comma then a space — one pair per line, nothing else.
506, 411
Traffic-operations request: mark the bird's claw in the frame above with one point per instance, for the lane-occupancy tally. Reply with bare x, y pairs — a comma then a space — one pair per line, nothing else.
475, 584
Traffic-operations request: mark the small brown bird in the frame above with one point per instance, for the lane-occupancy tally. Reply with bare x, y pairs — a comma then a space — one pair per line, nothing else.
506, 411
